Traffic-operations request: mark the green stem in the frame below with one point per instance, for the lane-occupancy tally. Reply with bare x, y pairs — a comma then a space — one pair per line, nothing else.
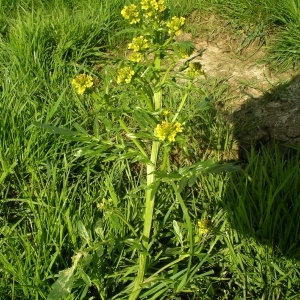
148, 100
150, 194
152, 185
167, 73
146, 90
135, 141
157, 93
151, 190
182, 101
165, 161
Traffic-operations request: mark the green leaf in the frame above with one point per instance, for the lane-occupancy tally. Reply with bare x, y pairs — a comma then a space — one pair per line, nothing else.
85, 277
99, 230
7, 169
192, 180
171, 176
131, 153
141, 158
183, 47
110, 158
107, 123
54, 108
178, 232
143, 118
141, 135
56, 130
83, 232
136, 244
81, 129
208, 166
92, 151
140, 119
96, 127
63, 285
204, 105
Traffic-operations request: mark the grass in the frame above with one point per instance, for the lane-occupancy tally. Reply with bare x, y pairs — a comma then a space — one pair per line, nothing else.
49, 219
262, 209
271, 23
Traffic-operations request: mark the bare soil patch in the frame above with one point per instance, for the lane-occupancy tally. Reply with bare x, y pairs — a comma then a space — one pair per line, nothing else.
265, 106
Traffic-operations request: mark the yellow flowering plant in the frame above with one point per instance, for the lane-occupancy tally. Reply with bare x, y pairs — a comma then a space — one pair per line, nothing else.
175, 26
167, 131
82, 82
125, 75
131, 13
155, 129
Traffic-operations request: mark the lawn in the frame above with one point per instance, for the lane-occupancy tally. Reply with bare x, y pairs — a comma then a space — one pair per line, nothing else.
133, 181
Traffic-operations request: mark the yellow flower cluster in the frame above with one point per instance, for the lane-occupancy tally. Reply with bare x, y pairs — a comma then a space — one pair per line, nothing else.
138, 44
166, 113
131, 13
135, 57
153, 8
125, 75
175, 25
100, 206
167, 130
204, 226
194, 69
82, 82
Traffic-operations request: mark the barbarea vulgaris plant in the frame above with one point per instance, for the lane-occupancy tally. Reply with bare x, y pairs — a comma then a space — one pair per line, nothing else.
82, 82
139, 93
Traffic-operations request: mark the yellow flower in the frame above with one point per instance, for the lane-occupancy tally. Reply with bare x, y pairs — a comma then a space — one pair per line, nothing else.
138, 44
175, 25
204, 226
100, 206
82, 82
166, 113
167, 130
194, 69
153, 8
154, 5
135, 57
124, 75
131, 13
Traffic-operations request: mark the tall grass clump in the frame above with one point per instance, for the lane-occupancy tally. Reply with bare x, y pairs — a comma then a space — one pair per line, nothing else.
285, 51
40, 47
263, 241
43, 41
39, 51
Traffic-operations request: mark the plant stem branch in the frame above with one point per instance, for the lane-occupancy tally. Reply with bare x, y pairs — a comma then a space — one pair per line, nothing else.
182, 101
135, 141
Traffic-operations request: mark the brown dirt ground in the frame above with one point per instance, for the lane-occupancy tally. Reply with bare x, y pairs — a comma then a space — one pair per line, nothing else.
225, 58
270, 101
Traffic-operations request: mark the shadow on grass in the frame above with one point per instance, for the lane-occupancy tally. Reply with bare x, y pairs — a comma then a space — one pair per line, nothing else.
263, 200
